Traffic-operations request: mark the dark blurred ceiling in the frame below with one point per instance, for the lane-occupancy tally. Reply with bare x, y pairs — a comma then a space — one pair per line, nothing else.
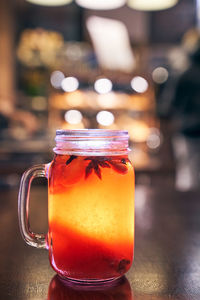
144, 27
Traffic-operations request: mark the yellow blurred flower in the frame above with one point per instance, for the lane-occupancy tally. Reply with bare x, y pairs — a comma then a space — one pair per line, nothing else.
39, 47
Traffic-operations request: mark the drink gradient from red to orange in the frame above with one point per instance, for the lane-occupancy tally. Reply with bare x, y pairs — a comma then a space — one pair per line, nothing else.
91, 216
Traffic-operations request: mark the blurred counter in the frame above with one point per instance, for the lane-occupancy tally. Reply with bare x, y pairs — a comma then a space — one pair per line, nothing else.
18, 155
119, 110
151, 165
167, 245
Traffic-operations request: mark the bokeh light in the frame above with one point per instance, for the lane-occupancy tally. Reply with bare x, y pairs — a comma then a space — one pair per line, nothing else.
100, 4
103, 86
70, 84
139, 84
160, 75
56, 79
105, 118
50, 2
73, 116
154, 139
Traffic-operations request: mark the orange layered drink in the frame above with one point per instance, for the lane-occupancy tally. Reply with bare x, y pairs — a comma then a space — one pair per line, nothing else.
91, 215
90, 206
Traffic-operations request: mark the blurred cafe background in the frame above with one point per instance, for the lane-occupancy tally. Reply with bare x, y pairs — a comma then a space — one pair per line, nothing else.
118, 64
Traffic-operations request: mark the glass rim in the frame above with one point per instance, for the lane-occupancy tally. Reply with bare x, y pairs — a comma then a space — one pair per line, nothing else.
91, 142
91, 133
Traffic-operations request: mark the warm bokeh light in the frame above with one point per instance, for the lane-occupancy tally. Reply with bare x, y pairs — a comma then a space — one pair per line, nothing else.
75, 99
105, 118
101, 4
50, 2
73, 116
103, 85
160, 75
139, 84
110, 100
151, 4
56, 79
70, 84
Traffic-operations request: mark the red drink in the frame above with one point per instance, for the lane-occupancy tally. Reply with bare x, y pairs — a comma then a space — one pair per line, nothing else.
59, 290
91, 216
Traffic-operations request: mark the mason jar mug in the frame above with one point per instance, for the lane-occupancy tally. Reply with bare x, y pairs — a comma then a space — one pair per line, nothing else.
90, 205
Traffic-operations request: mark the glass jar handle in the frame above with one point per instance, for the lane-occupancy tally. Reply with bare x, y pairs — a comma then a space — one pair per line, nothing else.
33, 239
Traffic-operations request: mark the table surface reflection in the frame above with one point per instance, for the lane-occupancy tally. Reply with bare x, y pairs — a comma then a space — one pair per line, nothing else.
167, 251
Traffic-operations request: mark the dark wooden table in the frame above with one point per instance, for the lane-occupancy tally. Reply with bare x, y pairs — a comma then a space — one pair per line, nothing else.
167, 251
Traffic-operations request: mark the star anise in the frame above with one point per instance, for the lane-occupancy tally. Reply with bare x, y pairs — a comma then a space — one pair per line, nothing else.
72, 157
123, 265
96, 162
